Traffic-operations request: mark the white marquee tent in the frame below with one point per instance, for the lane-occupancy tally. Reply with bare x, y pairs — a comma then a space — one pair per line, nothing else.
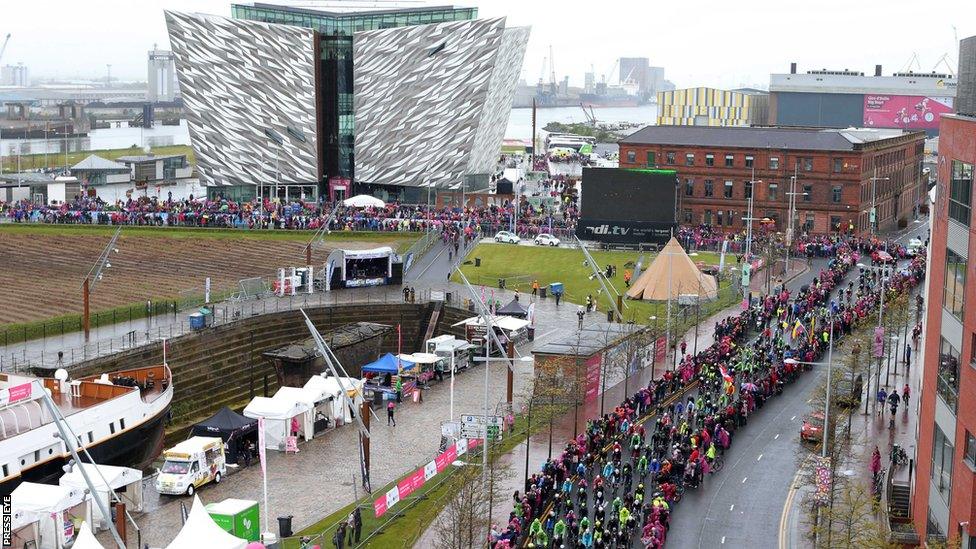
86, 539
200, 530
54, 505
277, 414
364, 201
117, 479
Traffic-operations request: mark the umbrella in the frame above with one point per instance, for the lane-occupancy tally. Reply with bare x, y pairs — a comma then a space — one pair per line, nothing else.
749, 387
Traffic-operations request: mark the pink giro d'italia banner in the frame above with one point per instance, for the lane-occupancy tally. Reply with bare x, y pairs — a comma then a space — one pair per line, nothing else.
417, 479
913, 112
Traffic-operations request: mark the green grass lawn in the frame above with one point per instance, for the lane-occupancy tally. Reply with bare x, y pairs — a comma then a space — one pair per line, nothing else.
520, 265
56, 160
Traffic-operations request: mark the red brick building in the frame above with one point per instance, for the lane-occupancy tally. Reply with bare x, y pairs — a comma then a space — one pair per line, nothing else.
944, 503
834, 168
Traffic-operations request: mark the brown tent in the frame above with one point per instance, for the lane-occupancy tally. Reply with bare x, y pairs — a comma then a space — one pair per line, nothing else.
674, 264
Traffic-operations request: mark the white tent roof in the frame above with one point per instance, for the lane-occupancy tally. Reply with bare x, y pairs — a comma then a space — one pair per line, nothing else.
85, 539
364, 201
421, 358
274, 408
116, 477
23, 517
507, 323
350, 384
323, 386
300, 394
46, 498
201, 531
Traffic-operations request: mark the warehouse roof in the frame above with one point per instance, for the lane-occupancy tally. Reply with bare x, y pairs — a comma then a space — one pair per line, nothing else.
760, 137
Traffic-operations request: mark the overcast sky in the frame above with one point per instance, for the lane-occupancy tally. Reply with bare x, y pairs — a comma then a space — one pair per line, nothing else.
708, 42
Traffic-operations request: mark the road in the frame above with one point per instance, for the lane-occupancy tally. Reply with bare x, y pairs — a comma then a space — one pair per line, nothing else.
748, 506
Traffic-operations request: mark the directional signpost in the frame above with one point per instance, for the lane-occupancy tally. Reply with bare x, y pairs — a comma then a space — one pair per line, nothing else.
473, 426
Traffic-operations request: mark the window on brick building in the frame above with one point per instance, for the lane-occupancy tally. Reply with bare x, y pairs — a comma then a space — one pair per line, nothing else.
747, 189
631, 156
942, 456
709, 188
690, 159
729, 161
953, 299
728, 190
808, 193
838, 165
835, 223
730, 218
689, 187
720, 215
773, 193
773, 163
808, 223
970, 455
709, 159
961, 192
686, 215
835, 194
707, 217
749, 161
807, 164
669, 158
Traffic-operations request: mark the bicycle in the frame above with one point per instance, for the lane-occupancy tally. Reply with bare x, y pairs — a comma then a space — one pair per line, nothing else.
877, 484
718, 463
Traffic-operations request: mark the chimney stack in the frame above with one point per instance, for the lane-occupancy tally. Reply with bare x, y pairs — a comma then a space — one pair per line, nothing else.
877, 70
792, 68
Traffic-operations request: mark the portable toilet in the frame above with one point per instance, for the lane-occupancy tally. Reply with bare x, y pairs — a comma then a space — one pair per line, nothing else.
240, 517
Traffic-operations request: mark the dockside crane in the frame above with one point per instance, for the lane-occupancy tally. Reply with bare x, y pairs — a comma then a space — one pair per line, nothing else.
3, 48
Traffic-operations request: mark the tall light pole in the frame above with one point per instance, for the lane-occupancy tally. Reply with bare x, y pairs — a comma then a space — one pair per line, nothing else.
746, 266
92, 278
874, 200
879, 328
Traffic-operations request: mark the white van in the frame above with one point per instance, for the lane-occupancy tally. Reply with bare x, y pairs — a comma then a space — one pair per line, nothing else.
449, 347
191, 464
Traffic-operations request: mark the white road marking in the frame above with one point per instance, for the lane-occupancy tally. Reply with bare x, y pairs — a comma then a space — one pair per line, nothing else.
723, 539
731, 507
744, 479
792, 418
776, 437
759, 458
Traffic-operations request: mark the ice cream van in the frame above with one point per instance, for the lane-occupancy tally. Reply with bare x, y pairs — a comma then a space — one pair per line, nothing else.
191, 464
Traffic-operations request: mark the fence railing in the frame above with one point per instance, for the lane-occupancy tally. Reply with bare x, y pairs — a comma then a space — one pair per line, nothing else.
226, 312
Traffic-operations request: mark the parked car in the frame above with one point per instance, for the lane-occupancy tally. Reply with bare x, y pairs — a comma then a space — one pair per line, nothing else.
812, 428
881, 257
507, 236
545, 239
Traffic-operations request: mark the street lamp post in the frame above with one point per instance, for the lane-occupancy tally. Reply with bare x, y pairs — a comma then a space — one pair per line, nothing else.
877, 380
874, 200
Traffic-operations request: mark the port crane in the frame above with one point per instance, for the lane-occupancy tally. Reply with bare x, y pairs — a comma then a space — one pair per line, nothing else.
3, 48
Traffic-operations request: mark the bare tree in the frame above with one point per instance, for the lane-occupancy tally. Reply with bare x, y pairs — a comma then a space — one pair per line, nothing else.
463, 523
853, 521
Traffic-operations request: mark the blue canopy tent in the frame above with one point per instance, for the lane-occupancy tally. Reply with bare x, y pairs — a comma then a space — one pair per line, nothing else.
387, 364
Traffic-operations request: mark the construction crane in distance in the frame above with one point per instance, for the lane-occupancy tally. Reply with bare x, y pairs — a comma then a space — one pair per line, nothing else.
3, 48
552, 72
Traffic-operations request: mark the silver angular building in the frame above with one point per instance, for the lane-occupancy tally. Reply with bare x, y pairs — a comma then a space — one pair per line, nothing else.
296, 102
249, 99
432, 101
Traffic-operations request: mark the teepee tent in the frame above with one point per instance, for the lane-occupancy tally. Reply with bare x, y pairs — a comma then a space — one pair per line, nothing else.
86, 539
685, 278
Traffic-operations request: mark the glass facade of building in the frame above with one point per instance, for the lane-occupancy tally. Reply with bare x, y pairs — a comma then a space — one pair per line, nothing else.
336, 29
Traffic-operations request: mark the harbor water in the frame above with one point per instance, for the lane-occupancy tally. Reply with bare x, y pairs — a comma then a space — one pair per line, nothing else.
519, 127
